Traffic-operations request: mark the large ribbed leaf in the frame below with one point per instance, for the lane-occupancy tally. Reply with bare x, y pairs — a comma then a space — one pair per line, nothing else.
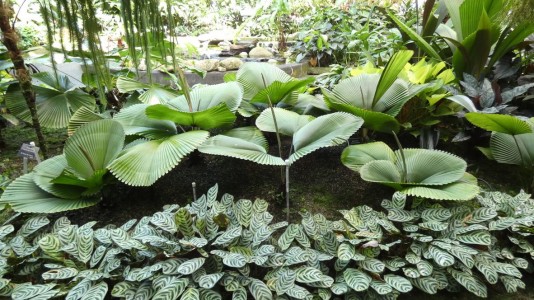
213, 117
325, 131
499, 123
49, 170
245, 143
153, 94
135, 122
513, 149
355, 156
55, 104
357, 91
93, 147
517, 35
288, 122
143, 164
81, 117
25, 196
206, 97
464, 189
431, 167
255, 77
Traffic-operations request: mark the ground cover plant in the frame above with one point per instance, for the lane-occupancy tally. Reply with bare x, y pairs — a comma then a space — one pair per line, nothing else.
216, 248
445, 229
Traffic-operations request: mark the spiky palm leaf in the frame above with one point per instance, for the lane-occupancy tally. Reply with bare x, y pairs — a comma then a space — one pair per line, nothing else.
56, 100
428, 173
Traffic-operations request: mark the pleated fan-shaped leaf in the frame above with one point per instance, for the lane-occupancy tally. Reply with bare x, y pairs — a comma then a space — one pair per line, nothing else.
374, 120
82, 116
355, 156
287, 122
55, 102
246, 143
460, 190
213, 117
325, 131
135, 122
254, 77
143, 164
25, 196
50, 169
431, 167
93, 147
206, 97
513, 149
499, 123
153, 93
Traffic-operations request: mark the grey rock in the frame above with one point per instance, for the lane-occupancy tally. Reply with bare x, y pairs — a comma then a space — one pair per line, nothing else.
243, 54
221, 69
231, 63
258, 52
207, 64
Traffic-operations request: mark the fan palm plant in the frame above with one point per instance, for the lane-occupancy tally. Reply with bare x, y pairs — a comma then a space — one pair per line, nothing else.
511, 142
416, 172
168, 132
376, 98
71, 180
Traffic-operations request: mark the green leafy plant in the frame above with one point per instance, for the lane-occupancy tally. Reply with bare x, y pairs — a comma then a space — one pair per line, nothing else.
221, 249
72, 180
166, 133
416, 172
511, 142
376, 98
56, 100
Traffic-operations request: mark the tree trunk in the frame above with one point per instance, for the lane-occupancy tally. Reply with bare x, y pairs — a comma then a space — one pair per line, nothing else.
21, 73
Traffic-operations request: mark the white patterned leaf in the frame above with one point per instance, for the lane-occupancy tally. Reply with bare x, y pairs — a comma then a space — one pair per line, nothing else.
356, 279
471, 283
228, 236
380, 287
63, 273
399, 283
164, 220
96, 292
208, 281
32, 225
259, 290
191, 265
308, 274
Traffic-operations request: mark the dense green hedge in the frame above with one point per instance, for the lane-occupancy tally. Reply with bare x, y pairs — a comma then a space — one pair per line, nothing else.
225, 249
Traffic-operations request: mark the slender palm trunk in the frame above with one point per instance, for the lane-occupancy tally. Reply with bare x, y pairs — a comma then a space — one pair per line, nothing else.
21, 73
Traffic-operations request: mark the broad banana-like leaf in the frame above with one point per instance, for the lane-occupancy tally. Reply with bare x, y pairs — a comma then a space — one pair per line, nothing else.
153, 94
55, 102
288, 122
206, 97
93, 147
429, 173
499, 123
246, 143
513, 149
23, 195
144, 163
355, 156
325, 131
135, 122
213, 117
50, 169
81, 117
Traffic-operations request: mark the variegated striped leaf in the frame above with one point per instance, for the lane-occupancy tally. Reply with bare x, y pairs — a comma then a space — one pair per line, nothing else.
356, 279
164, 221
399, 283
191, 265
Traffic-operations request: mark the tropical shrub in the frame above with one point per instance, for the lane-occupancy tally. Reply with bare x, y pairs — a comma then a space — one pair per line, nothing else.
511, 142
416, 172
333, 35
221, 249
376, 98
73, 179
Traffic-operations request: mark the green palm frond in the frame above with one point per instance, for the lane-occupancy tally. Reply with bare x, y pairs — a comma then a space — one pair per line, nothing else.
135, 122
23, 195
146, 162
417, 172
56, 101
152, 93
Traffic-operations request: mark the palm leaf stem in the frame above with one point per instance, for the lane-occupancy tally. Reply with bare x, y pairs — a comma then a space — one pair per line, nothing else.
279, 141
405, 170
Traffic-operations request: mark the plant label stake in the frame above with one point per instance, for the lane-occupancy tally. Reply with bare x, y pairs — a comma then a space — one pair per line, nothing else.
194, 185
287, 188
28, 151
